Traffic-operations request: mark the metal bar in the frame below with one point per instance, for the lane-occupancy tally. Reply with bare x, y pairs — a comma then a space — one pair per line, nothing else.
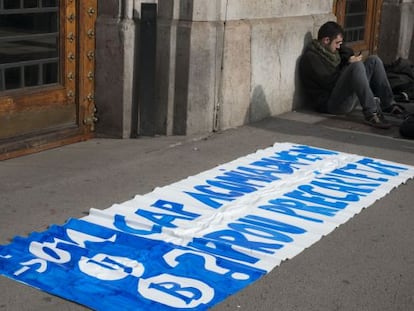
40, 77
21, 76
29, 62
355, 34
22, 81
28, 10
29, 36
2, 80
354, 28
362, 13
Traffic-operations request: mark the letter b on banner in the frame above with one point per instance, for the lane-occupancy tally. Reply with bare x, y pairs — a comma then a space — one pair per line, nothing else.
176, 292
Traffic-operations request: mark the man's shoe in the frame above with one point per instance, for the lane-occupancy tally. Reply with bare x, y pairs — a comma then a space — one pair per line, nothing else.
377, 120
395, 110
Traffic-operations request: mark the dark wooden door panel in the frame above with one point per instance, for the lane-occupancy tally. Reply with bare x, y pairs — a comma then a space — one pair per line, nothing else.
46, 73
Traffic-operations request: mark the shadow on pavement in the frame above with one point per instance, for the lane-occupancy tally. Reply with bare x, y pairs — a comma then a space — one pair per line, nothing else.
343, 129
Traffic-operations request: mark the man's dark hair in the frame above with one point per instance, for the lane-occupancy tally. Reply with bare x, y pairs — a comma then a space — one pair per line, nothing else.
330, 30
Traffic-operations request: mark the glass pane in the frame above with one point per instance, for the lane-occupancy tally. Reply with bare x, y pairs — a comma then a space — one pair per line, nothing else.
50, 73
31, 75
30, 4
355, 21
28, 40
13, 78
11, 4
28, 50
355, 6
49, 3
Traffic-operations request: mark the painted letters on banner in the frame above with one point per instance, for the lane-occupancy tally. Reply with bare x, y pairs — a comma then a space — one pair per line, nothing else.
189, 245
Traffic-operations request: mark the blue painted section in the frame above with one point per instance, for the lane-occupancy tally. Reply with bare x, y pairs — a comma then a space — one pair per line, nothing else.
51, 261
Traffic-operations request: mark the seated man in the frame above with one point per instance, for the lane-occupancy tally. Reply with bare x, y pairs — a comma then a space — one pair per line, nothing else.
332, 76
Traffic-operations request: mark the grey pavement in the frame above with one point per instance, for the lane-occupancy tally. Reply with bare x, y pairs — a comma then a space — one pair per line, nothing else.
365, 264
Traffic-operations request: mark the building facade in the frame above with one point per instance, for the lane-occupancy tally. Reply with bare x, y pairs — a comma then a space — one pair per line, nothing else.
124, 68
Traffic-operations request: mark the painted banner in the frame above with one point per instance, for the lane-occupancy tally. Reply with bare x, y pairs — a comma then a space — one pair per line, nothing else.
191, 244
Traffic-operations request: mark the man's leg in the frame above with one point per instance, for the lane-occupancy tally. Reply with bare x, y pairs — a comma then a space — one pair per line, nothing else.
379, 83
353, 80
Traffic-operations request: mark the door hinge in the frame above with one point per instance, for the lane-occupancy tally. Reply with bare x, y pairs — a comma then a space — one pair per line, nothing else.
91, 119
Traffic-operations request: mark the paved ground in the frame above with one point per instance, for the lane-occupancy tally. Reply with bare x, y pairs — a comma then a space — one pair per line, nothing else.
366, 264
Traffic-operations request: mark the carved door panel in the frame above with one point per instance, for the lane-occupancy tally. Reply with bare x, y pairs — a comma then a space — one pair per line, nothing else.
46, 73
360, 19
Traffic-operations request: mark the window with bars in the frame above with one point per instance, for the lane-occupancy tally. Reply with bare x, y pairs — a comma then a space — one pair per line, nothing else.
29, 43
355, 18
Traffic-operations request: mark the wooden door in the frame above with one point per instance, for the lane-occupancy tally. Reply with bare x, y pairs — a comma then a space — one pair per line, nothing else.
360, 19
46, 74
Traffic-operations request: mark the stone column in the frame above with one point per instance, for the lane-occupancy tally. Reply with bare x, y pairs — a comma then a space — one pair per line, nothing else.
396, 31
115, 59
406, 29
189, 56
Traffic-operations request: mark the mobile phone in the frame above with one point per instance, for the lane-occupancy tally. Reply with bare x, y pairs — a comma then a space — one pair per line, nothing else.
358, 53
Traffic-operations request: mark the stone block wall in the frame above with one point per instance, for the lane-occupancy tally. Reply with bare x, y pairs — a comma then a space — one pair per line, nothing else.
234, 60
219, 63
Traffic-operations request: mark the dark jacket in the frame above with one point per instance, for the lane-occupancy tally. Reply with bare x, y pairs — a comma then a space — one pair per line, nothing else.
318, 76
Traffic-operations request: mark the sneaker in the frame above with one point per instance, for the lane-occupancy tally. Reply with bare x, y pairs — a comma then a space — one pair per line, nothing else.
377, 120
402, 97
395, 110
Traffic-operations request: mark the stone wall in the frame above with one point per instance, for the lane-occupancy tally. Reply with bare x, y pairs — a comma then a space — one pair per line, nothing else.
396, 30
219, 63
234, 61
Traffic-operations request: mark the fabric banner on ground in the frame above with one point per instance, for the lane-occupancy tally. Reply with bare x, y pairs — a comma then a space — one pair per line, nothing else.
191, 244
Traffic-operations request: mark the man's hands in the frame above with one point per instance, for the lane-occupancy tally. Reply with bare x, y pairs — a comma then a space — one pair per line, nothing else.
355, 58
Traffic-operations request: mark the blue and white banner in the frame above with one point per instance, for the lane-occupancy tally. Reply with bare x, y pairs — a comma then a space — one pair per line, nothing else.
189, 245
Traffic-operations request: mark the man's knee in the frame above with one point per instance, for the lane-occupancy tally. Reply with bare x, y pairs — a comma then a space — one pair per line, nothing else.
374, 59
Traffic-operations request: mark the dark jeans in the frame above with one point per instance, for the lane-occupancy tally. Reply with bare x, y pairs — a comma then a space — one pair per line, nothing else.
362, 81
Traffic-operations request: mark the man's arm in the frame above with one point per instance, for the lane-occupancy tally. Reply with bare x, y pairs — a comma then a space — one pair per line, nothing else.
348, 55
316, 73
